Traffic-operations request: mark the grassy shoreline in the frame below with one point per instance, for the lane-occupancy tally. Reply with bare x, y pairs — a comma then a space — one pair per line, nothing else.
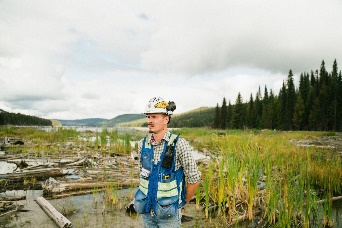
252, 175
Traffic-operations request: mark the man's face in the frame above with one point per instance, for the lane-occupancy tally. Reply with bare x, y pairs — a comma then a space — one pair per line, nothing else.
157, 122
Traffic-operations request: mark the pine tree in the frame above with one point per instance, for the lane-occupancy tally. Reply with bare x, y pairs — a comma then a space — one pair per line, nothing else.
339, 103
272, 107
298, 115
258, 109
282, 108
305, 92
266, 121
223, 118
323, 99
229, 115
217, 117
251, 113
290, 101
333, 107
238, 113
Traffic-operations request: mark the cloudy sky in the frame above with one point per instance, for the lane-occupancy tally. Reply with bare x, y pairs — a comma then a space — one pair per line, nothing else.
75, 59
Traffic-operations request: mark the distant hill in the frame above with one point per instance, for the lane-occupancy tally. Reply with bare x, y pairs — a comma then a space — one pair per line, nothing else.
200, 117
99, 122
9, 118
123, 119
94, 122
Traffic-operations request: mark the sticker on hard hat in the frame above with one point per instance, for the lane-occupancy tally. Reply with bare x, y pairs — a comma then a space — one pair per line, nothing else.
162, 104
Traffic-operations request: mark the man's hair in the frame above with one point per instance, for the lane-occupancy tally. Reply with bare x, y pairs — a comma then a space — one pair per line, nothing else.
169, 118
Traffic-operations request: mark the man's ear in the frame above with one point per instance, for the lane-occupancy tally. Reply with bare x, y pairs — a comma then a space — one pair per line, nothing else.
167, 119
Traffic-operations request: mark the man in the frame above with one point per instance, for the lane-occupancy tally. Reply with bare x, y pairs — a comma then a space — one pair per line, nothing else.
169, 176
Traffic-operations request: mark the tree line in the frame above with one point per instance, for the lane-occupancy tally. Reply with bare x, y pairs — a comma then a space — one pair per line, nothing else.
8, 118
316, 105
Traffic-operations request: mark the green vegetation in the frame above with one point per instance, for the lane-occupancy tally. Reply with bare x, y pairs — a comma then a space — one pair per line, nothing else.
8, 118
264, 172
200, 117
252, 174
316, 105
99, 122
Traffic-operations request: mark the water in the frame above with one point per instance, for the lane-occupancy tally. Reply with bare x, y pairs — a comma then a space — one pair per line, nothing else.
6, 167
84, 211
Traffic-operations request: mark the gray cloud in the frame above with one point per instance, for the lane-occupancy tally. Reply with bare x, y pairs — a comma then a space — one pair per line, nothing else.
79, 59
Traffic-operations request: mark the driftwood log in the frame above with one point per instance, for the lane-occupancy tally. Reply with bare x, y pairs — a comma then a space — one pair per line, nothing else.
38, 174
12, 211
11, 198
78, 188
56, 216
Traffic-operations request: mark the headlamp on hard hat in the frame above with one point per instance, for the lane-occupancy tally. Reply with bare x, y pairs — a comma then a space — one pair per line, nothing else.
170, 108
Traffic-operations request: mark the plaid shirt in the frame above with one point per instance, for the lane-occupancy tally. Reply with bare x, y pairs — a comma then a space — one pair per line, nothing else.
184, 156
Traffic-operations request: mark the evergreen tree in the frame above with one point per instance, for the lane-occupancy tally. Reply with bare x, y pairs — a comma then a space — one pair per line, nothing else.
217, 117
223, 115
305, 93
333, 107
266, 120
315, 105
298, 115
272, 109
290, 100
323, 99
282, 108
229, 115
251, 113
339, 103
258, 109
238, 113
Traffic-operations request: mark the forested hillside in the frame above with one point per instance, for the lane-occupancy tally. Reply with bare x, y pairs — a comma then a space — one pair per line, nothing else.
315, 105
201, 117
8, 118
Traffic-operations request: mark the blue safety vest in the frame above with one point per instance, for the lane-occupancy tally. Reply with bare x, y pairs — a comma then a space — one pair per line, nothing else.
161, 190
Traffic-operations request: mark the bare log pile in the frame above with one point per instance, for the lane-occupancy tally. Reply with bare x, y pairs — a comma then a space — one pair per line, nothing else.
93, 174
55, 189
80, 173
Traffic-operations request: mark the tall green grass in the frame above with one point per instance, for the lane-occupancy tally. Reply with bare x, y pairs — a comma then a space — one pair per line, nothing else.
257, 171
252, 174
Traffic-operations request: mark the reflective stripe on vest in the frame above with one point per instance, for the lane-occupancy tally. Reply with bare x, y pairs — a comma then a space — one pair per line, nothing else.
164, 189
167, 189
143, 186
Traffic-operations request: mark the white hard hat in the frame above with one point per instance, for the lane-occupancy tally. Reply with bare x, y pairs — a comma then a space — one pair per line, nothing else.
160, 105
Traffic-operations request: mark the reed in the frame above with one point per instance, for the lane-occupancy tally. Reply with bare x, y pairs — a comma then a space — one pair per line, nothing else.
264, 170
249, 171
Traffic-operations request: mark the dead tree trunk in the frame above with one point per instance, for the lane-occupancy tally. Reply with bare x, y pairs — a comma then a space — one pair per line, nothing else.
59, 219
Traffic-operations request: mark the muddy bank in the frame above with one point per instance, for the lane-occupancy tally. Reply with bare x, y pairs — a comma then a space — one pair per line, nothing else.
328, 145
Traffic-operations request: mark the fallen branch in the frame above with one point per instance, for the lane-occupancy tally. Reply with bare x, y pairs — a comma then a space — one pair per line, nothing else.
58, 188
333, 199
12, 198
41, 173
8, 158
8, 213
56, 216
